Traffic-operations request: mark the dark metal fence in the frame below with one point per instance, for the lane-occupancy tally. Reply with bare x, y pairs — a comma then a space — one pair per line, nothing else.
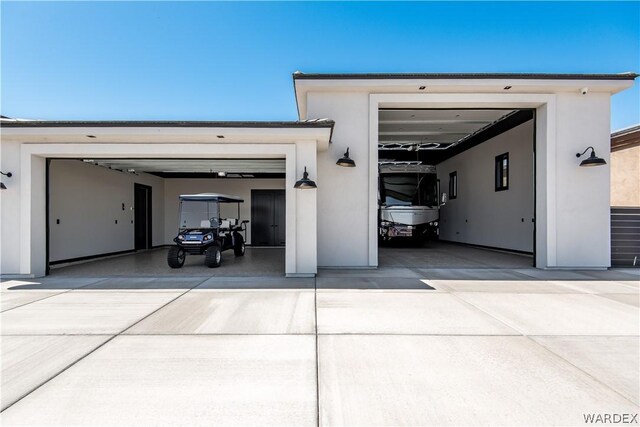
625, 237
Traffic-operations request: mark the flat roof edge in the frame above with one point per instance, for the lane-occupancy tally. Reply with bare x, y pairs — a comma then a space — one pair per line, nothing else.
467, 76
323, 123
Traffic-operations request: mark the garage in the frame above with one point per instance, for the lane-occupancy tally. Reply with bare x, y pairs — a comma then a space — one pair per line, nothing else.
507, 151
553, 210
456, 187
129, 208
103, 197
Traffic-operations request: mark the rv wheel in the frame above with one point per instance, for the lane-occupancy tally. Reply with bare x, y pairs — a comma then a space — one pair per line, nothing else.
419, 241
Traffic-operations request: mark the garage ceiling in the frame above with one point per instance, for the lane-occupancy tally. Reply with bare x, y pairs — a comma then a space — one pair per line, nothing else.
432, 129
432, 136
231, 168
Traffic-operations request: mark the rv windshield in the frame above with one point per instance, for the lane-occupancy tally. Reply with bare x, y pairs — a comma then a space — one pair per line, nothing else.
198, 214
408, 189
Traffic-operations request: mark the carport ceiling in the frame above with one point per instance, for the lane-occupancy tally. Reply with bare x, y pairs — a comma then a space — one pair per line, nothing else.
178, 168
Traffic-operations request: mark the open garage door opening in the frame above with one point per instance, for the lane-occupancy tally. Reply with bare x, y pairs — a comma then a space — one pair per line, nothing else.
112, 216
456, 187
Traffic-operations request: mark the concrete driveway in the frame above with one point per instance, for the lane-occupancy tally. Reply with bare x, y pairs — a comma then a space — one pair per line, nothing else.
394, 346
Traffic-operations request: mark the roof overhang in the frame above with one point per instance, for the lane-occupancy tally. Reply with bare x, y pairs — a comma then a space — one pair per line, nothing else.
455, 83
165, 132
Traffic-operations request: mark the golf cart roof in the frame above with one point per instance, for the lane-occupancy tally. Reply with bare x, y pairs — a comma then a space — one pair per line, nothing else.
212, 197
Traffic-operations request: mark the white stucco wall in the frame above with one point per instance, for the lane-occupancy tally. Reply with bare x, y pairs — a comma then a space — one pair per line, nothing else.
480, 215
582, 196
87, 199
343, 193
10, 208
236, 187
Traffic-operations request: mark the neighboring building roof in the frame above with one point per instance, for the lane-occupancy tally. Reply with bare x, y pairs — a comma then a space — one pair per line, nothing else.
625, 138
298, 75
317, 123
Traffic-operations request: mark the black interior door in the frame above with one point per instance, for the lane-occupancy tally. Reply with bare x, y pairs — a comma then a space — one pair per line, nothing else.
268, 218
279, 217
142, 216
261, 218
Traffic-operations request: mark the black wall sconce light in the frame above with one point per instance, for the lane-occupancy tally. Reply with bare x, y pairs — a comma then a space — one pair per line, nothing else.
8, 175
305, 183
593, 160
346, 161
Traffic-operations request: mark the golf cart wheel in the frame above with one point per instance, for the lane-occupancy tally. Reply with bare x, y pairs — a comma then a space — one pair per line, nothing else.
175, 257
213, 257
238, 249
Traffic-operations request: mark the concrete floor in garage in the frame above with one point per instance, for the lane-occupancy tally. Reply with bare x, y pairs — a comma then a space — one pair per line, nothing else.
259, 261
412, 344
255, 262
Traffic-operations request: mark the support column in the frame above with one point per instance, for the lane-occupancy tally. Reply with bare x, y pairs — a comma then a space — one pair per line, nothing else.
306, 211
32, 234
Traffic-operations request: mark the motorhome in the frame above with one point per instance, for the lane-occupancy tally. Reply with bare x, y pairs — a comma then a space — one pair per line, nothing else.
408, 204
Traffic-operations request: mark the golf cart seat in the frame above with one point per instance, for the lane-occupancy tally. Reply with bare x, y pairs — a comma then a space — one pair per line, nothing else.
227, 223
205, 223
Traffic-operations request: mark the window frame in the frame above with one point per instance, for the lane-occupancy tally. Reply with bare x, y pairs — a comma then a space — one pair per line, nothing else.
500, 173
453, 185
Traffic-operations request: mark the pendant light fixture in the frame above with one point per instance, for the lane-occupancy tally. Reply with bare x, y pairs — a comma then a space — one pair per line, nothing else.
593, 160
8, 175
305, 183
346, 161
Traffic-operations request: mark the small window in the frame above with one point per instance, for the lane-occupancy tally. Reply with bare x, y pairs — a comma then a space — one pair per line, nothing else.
453, 185
502, 172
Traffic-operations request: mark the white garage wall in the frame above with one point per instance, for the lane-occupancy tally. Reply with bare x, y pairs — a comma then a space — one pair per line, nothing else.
480, 215
10, 247
583, 194
232, 186
343, 193
87, 199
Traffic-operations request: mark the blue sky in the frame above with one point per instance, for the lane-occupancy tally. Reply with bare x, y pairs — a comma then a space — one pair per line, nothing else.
233, 61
